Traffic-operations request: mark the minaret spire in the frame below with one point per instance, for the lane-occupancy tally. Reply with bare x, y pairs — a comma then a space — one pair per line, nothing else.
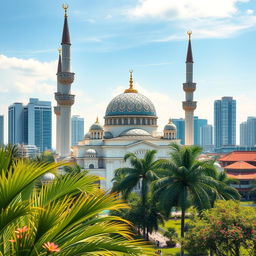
189, 52
65, 33
189, 105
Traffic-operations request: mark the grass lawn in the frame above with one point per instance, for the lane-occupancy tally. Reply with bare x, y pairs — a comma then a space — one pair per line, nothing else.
170, 251
172, 223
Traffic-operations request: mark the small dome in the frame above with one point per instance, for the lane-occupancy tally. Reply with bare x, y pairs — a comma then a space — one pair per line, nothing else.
48, 177
135, 132
170, 126
108, 135
218, 166
90, 151
96, 126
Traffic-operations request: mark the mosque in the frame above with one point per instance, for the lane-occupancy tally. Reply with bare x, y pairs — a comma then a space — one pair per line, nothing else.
130, 122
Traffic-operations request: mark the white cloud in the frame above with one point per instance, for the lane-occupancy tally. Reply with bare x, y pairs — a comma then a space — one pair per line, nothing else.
207, 19
211, 28
250, 11
183, 9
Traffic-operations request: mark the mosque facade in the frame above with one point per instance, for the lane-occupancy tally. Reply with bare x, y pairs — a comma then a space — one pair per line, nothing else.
130, 127
130, 123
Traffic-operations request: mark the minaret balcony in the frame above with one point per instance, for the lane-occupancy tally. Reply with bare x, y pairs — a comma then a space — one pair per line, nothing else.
189, 87
57, 110
65, 99
189, 105
66, 78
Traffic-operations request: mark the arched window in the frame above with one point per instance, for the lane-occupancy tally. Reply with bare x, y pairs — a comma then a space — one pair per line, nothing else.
91, 166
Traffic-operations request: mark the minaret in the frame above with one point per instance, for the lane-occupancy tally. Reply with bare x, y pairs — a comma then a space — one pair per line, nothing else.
189, 87
63, 95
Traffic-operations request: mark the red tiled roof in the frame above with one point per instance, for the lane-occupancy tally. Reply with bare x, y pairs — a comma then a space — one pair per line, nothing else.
242, 176
240, 165
246, 156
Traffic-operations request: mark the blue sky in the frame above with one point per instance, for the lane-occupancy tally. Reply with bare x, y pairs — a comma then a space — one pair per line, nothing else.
112, 36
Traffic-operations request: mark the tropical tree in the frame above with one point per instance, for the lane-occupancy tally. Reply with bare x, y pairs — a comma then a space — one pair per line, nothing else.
184, 182
226, 229
141, 173
62, 218
224, 190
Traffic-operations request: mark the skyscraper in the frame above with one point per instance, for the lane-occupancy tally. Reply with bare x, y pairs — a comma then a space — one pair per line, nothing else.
180, 125
31, 124
189, 105
15, 124
243, 134
225, 122
38, 117
1, 129
248, 132
63, 95
206, 135
198, 124
77, 129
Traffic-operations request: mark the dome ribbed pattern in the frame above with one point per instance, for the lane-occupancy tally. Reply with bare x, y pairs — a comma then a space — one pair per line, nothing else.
134, 104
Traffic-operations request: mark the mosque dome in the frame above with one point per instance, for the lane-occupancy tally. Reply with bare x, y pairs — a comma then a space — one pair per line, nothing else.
90, 151
135, 132
218, 166
48, 177
170, 126
96, 126
134, 104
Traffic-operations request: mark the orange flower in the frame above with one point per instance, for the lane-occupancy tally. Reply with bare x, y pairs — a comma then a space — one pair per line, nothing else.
51, 247
12, 240
19, 231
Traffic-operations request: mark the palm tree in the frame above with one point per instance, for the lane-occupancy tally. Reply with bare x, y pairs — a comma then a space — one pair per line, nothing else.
141, 173
224, 190
184, 181
63, 217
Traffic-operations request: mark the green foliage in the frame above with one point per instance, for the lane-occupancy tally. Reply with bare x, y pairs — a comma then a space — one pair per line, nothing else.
141, 173
225, 229
62, 218
46, 156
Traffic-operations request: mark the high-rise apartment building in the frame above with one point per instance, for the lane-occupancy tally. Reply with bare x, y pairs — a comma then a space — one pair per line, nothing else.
1, 130
180, 125
225, 122
77, 129
206, 137
248, 132
198, 124
15, 124
31, 124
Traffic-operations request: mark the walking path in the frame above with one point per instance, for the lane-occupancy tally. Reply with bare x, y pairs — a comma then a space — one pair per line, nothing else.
155, 236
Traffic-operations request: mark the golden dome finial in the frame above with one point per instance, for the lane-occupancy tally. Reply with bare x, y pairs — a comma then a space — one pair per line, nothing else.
97, 120
189, 34
59, 51
131, 89
65, 7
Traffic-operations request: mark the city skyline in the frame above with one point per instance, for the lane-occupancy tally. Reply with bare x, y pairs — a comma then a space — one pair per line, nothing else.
159, 75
